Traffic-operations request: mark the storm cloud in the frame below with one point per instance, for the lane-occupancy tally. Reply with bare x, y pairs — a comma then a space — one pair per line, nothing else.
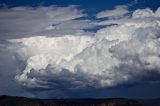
48, 48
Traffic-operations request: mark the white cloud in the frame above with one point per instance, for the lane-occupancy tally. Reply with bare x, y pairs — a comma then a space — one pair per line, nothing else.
142, 13
56, 53
115, 55
157, 13
118, 11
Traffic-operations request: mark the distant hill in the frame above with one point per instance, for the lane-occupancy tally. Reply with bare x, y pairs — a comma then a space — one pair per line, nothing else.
23, 101
152, 102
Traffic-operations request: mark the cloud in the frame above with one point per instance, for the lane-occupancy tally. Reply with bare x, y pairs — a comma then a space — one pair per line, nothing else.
61, 57
26, 22
30, 21
115, 55
118, 11
143, 13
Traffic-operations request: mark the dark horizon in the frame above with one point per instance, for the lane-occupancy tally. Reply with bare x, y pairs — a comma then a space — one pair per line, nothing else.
22, 101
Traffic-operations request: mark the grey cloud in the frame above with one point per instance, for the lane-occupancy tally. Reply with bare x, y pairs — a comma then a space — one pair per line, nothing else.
28, 21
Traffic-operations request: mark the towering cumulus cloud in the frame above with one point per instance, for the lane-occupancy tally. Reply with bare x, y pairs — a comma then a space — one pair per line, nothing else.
55, 52
117, 54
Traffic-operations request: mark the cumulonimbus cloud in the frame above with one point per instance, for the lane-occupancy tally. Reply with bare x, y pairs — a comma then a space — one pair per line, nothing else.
117, 54
51, 50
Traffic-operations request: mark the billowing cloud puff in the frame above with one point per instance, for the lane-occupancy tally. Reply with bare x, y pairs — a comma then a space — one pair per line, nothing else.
125, 52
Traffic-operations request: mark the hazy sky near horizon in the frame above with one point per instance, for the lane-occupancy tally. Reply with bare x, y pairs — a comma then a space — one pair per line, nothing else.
80, 48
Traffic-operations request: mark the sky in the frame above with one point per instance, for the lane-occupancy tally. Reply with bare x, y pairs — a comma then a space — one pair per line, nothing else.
80, 48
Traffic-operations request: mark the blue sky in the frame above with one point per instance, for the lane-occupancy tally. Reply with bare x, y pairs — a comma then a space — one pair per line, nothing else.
80, 48
89, 5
